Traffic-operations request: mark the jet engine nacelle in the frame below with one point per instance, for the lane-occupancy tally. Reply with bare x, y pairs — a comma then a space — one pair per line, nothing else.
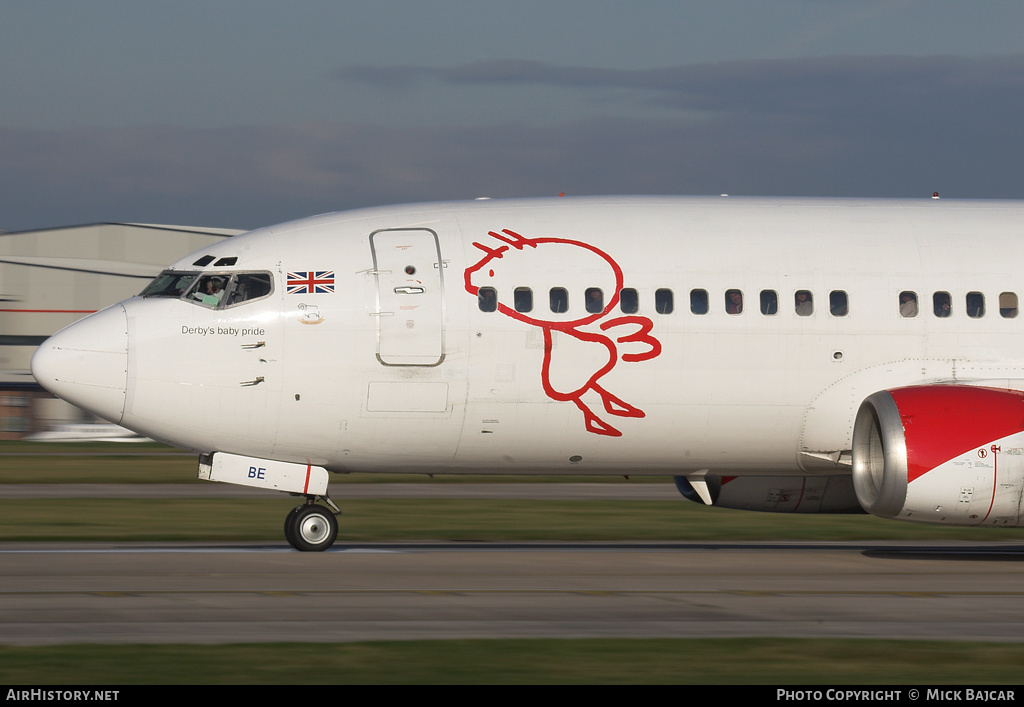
947, 454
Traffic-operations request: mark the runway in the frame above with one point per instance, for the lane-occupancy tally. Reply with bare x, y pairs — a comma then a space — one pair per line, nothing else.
207, 594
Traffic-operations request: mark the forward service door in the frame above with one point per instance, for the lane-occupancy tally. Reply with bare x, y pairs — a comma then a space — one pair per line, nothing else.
409, 272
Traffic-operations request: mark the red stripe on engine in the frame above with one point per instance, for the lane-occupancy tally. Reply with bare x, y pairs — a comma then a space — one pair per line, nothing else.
943, 422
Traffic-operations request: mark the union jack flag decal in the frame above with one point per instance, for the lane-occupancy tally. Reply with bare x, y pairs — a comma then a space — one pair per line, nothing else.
311, 282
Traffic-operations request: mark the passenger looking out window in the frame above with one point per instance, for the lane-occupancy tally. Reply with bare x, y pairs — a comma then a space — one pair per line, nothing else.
908, 304
487, 299
733, 302
803, 303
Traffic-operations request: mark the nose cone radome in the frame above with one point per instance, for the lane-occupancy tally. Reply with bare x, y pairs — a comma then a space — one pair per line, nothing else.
86, 363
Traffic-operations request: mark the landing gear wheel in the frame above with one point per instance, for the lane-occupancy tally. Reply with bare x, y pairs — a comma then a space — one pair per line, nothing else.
311, 528
289, 524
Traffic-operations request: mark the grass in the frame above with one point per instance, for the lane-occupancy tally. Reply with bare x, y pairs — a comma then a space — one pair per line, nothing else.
137, 467
747, 661
524, 661
174, 519
152, 463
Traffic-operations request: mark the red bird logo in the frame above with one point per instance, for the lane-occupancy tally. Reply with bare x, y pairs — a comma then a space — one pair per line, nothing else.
588, 350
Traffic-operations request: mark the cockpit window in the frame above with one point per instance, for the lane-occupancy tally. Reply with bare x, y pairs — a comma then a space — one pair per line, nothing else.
209, 290
245, 287
170, 284
214, 290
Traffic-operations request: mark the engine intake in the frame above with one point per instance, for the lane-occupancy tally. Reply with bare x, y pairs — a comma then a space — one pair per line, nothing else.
948, 454
880, 456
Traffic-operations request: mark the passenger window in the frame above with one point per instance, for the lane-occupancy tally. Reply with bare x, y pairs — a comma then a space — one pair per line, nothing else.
769, 302
487, 299
908, 304
838, 303
942, 304
699, 301
803, 303
523, 297
663, 301
559, 298
1008, 305
595, 300
975, 305
629, 301
733, 302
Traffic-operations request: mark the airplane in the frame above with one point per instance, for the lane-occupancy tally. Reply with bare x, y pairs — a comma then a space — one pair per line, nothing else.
808, 355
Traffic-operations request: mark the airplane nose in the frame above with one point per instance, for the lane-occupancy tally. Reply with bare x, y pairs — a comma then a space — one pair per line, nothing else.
86, 363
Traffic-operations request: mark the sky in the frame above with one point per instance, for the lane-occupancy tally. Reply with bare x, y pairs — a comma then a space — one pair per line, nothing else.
244, 113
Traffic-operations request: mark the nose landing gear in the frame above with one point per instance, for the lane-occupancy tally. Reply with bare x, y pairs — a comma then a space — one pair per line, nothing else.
311, 527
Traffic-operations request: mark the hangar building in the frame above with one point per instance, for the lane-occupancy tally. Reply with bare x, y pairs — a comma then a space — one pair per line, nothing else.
51, 278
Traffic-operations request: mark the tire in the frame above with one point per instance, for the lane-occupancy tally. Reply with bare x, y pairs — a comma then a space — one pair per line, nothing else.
314, 528
289, 525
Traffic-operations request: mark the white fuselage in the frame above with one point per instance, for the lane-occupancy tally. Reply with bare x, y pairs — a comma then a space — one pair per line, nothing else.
390, 364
